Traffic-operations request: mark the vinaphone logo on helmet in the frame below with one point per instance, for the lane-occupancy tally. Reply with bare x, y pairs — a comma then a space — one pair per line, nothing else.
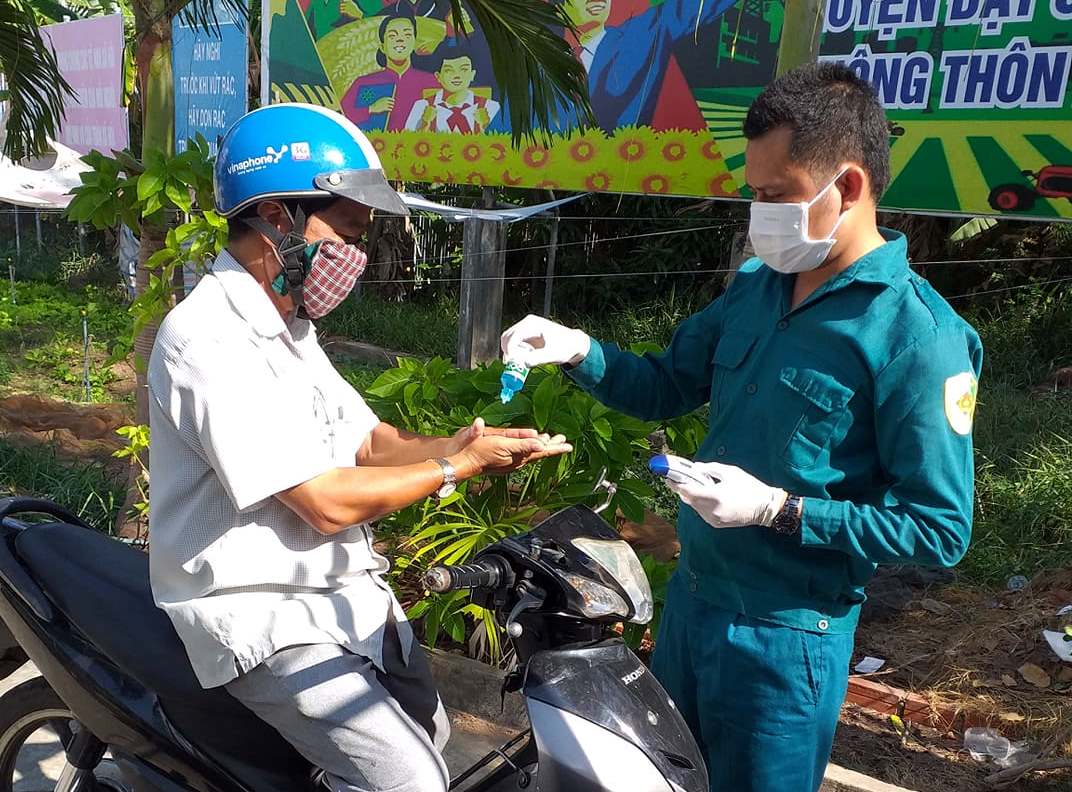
250, 164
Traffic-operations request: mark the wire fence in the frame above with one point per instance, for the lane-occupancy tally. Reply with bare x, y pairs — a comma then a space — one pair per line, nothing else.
710, 224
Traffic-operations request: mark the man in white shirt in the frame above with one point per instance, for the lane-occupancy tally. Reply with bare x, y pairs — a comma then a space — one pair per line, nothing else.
268, 466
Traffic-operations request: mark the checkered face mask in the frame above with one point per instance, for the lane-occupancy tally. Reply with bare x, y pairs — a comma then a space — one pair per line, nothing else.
333, 271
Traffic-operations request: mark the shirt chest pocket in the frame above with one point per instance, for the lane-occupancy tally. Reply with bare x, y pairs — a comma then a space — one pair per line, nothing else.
729, 357
817, 411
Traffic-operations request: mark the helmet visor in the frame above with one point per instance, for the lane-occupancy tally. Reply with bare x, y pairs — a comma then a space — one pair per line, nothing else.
368, 187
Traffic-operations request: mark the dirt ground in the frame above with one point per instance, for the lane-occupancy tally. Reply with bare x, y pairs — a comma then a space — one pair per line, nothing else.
78, 431
968, 652
925, 760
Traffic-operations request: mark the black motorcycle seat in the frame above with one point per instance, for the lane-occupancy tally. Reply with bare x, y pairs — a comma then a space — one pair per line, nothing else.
102, 586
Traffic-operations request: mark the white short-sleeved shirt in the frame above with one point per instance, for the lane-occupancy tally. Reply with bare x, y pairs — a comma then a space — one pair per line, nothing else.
243, 406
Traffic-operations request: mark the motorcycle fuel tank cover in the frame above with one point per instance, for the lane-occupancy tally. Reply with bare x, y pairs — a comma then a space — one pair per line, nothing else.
606, 684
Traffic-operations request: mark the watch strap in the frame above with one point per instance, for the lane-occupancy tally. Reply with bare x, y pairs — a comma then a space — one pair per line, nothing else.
450, 475
787, 521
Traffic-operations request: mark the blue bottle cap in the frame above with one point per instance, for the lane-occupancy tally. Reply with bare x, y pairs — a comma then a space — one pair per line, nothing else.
659, 465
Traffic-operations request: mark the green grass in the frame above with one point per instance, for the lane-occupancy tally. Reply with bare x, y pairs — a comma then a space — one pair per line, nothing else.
41, 339
86, 488
1026, 336
631, 324
1023, 438
417, 328
1023, 484
428, 329
59, 260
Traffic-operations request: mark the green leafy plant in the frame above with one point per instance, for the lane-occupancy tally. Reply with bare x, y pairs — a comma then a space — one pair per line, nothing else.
123, 188
136, 450
434, 398
62, 363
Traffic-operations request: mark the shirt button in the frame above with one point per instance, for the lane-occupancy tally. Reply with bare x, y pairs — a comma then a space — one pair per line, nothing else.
823, 624
782, 324
721, 450
751, 388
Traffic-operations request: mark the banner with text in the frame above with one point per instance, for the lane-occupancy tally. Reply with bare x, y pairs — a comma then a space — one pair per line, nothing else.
89, 53
976, 93
210, 76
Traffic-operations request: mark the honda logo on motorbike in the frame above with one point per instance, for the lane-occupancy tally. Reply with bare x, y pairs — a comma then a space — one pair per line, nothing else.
633, 676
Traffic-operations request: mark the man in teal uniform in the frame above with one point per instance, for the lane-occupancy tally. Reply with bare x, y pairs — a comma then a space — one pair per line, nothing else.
841, 390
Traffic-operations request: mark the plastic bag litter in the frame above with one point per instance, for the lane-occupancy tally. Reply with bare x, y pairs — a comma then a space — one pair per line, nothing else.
982, 743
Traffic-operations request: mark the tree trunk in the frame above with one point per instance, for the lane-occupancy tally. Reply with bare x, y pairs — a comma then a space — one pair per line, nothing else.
158, 134
152, 240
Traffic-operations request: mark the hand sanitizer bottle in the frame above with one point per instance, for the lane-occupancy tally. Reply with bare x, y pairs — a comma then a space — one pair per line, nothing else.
512, 379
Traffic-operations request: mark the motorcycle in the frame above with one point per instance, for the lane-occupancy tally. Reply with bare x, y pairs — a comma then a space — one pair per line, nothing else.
118, 690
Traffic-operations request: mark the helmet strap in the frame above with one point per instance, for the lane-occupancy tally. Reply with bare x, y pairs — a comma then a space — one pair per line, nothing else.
289, 248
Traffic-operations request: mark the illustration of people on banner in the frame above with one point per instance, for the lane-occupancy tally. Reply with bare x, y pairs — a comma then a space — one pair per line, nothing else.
670, 82
384, 99
628, 63
455, 106
633, 74
402, 96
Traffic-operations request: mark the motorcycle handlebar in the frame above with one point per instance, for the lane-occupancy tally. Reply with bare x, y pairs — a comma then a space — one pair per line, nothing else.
488, 572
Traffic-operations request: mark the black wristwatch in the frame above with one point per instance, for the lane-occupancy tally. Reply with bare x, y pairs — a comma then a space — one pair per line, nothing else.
787, 521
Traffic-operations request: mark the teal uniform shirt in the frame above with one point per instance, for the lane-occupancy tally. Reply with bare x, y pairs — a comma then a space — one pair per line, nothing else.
860, 399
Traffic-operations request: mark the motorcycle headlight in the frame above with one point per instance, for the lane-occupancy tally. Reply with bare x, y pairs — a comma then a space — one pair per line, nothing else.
597, 600
622, 563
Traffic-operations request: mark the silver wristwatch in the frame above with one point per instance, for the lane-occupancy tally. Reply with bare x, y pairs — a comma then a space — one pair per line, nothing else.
450, 479
787, 521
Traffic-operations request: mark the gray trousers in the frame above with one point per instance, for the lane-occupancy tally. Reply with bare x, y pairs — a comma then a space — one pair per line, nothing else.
370, 731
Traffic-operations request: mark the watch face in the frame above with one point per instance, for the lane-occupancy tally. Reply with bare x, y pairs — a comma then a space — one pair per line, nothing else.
788, 520
446, 490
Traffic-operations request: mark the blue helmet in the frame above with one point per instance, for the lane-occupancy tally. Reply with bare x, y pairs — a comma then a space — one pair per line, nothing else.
299, 151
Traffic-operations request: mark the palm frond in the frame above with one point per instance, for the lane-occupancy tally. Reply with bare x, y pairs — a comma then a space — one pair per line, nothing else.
54, 11
35, 87
535, 69
972, 229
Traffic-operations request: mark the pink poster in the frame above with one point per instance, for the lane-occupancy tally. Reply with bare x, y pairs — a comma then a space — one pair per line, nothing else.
90, 57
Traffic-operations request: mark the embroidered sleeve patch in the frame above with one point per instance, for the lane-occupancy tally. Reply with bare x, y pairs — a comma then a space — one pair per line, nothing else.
960, 391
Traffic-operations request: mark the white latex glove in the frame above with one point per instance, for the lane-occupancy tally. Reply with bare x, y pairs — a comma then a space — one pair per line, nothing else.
733, 499
535, 341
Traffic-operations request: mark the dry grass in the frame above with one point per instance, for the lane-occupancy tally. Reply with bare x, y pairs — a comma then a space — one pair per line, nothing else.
968, 661
923, 760
970, 656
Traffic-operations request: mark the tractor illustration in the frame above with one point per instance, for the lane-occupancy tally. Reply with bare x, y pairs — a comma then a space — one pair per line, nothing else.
1053, 181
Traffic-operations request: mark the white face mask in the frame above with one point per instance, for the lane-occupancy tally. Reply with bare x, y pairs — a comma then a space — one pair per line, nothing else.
779, 234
